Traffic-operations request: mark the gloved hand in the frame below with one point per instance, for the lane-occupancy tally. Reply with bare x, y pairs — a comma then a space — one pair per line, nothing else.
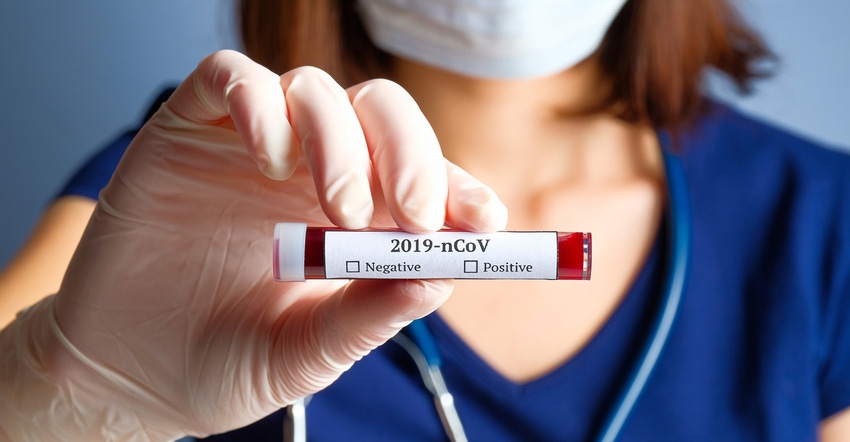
169, 321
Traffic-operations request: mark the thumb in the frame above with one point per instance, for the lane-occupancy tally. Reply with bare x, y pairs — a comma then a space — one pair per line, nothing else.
346, 326
376, 310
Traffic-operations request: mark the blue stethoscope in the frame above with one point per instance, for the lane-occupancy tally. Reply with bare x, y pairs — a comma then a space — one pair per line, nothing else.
419, 343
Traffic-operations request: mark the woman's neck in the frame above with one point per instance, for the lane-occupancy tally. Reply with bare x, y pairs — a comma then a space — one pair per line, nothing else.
530, 135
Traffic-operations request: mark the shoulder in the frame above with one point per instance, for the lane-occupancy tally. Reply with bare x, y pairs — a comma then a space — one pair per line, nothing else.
760, 181
754, 171
730, 141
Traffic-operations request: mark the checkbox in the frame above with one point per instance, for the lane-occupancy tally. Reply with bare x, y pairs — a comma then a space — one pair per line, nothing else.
352, 266
470, 266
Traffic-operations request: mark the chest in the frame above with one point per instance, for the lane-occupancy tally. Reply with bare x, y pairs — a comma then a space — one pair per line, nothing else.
524, 329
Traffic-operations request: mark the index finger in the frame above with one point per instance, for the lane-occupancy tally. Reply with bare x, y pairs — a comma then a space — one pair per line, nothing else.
227, 86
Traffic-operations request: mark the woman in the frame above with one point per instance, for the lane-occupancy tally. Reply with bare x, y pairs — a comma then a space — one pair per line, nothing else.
567, 136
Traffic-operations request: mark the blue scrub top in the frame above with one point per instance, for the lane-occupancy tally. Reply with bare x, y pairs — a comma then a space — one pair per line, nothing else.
760, 350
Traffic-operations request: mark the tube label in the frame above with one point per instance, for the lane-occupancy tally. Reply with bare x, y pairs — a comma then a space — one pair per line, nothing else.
458, 255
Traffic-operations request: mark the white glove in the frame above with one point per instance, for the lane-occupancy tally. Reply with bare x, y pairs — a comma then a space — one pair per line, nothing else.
169, 321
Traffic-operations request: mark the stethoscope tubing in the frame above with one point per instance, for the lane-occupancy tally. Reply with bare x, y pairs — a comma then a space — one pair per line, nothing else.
679, 244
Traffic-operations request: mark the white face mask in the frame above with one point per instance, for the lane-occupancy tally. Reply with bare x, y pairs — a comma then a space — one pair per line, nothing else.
490, 38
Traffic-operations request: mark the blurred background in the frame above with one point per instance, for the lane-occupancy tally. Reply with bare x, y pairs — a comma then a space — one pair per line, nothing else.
73, 75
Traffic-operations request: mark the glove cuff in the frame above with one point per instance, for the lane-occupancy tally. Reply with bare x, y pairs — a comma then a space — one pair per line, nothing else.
50, 391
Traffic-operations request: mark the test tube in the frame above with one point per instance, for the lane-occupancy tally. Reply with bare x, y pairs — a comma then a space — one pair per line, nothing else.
302, 252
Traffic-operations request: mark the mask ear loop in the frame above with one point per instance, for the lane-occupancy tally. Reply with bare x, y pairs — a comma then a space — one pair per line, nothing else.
428, 363
678, 254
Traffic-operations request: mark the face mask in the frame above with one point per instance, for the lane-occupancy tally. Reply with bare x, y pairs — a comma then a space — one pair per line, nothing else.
490, 38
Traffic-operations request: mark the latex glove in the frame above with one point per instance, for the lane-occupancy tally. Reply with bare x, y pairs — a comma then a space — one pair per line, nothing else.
169, 321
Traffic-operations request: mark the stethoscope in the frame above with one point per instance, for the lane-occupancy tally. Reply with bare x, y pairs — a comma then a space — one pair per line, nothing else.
420, 344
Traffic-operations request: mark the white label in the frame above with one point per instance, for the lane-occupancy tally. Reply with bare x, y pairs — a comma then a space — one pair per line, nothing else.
459, 255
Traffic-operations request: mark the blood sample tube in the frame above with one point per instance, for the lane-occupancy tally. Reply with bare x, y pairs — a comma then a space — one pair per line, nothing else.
302, 252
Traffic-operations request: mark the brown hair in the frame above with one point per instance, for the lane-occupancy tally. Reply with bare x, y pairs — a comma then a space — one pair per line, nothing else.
328, 34
656, 51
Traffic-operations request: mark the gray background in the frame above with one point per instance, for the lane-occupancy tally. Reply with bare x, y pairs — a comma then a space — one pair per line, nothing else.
76, 74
